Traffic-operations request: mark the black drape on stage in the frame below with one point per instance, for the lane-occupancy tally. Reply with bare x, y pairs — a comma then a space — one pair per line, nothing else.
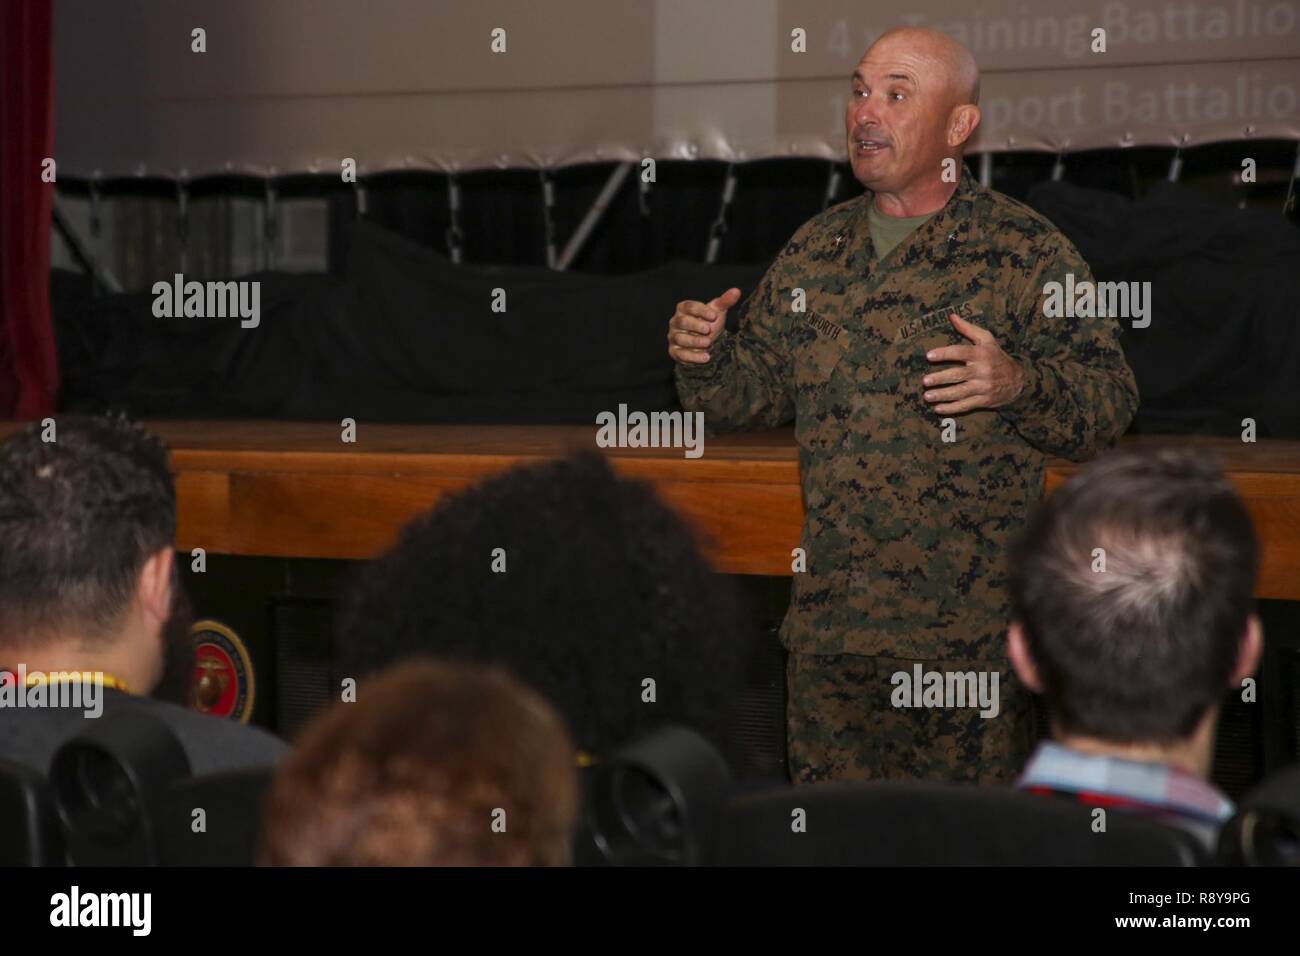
401, 336
1223, 344
397, 333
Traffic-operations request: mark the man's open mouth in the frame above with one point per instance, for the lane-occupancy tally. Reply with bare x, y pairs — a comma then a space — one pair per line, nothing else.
869, 145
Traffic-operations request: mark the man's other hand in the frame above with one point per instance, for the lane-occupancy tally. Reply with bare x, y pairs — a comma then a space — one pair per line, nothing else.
988, 377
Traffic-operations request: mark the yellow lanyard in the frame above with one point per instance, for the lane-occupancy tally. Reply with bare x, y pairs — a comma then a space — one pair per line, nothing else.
106, 680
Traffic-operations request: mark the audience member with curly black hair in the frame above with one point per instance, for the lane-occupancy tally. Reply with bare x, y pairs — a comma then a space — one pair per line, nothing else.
583, 583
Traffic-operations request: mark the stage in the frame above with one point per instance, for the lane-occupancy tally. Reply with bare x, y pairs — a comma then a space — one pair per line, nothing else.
290, 489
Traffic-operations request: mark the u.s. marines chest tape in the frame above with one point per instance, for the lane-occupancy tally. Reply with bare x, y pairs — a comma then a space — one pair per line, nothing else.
934, 320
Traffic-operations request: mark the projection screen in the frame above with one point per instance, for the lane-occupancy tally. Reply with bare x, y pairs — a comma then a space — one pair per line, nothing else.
295, 86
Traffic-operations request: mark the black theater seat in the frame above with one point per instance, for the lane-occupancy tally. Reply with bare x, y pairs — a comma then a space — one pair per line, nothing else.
904, 824
29, 830
1265, 831
121, 794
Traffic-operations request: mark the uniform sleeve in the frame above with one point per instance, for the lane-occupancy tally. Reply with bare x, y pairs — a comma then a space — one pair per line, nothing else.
747, 381
1079, 394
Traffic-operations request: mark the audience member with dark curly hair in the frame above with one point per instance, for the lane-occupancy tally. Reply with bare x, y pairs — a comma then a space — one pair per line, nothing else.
434, 764
583, 583
89, 598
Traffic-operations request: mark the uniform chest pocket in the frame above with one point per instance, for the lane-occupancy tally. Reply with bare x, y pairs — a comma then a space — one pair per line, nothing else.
816, 355
821, 413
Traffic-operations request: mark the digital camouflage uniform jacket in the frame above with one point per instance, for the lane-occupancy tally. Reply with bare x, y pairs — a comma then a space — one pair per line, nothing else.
905, 533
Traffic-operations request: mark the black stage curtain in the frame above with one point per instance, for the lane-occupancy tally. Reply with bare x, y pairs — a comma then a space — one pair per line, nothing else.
401, 336
397, 333
1223, 343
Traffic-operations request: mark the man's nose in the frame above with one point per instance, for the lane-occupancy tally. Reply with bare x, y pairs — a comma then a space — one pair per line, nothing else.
866, 113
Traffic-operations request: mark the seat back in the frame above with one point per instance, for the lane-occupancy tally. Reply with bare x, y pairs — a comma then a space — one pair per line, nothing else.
213, 820
105, 782
29, 825
930, 824
1265, 831
657, 802
120, 793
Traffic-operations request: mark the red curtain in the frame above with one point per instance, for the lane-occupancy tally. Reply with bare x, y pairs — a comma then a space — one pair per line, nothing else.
29, 371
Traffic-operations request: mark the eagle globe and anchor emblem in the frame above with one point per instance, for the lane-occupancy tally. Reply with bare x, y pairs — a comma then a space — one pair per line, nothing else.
223, 684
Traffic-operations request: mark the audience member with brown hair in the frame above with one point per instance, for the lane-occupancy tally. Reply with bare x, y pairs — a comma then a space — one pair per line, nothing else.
435, 764
1132, 588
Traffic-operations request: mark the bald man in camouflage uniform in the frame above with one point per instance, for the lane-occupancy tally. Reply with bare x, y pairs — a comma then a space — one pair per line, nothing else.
904, 333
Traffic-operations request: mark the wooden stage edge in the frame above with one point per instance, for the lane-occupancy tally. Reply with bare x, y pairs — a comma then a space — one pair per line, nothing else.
292, 489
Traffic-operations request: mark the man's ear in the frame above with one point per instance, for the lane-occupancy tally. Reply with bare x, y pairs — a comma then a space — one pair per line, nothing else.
962, 124
1249, 650
1021, 660
154, 586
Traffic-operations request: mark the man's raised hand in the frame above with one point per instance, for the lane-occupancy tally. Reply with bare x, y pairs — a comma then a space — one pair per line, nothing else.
695, 326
